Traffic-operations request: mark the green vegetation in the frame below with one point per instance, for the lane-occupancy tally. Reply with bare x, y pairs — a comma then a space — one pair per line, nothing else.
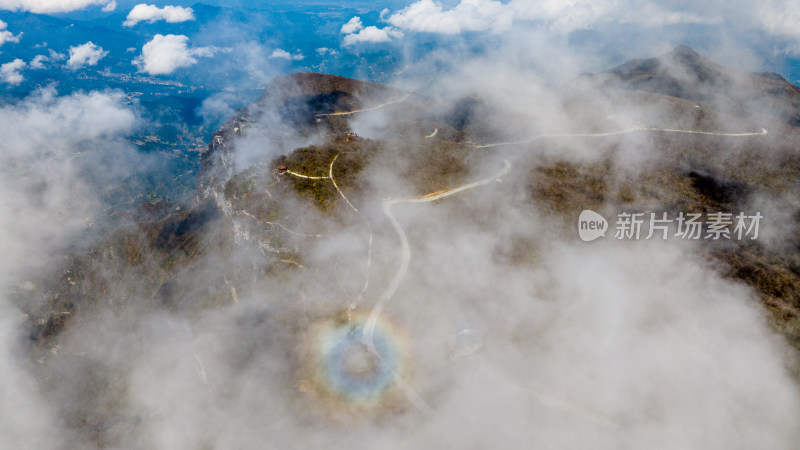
439, 165
140, 265
353, 155
566, 188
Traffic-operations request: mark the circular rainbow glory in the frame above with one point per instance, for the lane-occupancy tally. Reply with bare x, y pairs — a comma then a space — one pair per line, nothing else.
348, 367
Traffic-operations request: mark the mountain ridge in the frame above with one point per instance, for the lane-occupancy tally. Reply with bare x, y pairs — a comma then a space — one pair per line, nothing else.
683, 73
258, 226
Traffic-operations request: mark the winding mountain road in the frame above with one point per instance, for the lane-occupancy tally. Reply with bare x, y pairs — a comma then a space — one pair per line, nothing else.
405, 256
299, 175
369, 229
400, 99
405, 250
615, 133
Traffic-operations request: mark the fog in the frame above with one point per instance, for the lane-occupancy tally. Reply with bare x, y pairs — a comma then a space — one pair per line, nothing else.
496, 326
51, 186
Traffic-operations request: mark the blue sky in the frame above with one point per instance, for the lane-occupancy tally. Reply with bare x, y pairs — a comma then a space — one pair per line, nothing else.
218, 45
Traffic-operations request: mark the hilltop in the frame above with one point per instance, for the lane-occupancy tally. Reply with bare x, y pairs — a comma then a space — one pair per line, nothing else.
289, 171
684, 74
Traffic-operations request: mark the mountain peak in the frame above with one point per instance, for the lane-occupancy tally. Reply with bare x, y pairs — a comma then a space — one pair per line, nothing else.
686, 52
690, 59
684, 74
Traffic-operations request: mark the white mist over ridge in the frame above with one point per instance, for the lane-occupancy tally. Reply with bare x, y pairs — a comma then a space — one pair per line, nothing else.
56, 152
201, 331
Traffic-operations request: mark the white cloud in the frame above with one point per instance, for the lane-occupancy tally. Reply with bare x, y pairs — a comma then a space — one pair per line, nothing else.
50, 6
46, 198
357, 33
567, 17
38, 61
322, 51
165, 54
781, 19
7, 36
83, 55
10, 72
469, 15
283, 54
152, 13
430, 16
372, 34
353, 26
110, 6
776, 18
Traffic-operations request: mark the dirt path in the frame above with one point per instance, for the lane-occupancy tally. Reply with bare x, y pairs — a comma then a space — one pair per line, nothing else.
330, 177
405, 259
405, 250
615, 133
405, 255
298, 175
369, 230
400, 99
